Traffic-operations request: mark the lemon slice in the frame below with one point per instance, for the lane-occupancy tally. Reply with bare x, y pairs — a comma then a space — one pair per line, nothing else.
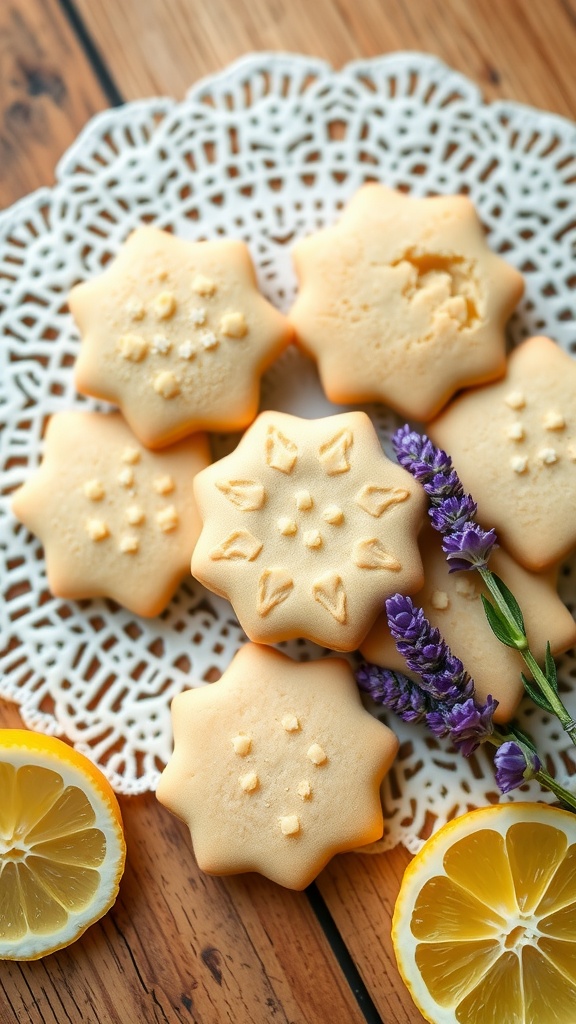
62, 848
484, 927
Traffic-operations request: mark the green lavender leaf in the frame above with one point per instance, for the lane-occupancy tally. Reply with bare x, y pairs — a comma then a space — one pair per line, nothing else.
524, 738
512, 603
536, 695
550, 669
498, 624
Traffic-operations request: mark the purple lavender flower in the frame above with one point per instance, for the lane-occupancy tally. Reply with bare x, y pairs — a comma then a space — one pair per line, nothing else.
469, 547
395, 691
470, 724
466, 544
453, 513
418, 455
514, 765
442, 673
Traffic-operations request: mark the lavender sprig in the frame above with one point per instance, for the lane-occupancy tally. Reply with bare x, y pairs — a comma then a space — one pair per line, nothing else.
468, 546
447, 709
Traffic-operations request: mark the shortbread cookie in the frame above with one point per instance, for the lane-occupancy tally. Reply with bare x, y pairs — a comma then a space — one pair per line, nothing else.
116, 520
276, 767
514, 446
177, 334
402, 301
452, 602
307, 528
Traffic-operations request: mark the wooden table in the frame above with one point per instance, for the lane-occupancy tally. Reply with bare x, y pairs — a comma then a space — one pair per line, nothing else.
178, 945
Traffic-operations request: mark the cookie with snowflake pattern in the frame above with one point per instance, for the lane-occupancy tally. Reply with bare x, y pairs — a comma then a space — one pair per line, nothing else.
307, 528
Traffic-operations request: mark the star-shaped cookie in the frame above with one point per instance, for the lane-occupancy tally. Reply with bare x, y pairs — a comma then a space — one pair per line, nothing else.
276, 767
402, 301
116, 520
513, 444
307, 528
452, 602
177, 334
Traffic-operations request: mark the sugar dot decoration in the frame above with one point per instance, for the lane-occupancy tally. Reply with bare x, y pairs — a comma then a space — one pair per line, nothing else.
289, 824
249, 782
290, 723
97, 529
166, 384
94, 490
242, 744
167, 519
316, 754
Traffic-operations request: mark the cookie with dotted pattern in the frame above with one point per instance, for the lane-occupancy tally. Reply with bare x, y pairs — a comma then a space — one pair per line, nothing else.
276, 767
513, 444
307, 528
177, 335
116, 520
403, 302
452, 602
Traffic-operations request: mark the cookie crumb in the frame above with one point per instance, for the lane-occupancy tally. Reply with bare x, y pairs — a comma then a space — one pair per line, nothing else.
97, 529
313, 539
203, 285
515, 431
132, 347
554, 421
304, 501
287, 526
198, 316
333, 515
164, 305
126, 478
166, 384
134, 308
548, 456
161, 345
316, 754
290, 723
129, 544
249, 782
163, 484
167, 519
234, 325
187, 350
465, 587
242, 744
515, 400
135, 515
519, 463
209, 340
304, 789
289, 825
94, 489
131, 456
440, 600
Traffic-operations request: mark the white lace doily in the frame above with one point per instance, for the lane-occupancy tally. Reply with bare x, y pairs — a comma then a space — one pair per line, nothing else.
267, 151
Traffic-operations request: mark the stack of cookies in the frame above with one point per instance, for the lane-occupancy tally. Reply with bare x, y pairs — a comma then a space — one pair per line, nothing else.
307, 527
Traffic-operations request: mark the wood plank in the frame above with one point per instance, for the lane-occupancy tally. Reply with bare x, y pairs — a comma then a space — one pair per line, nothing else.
360, 891
48, 92
518, 49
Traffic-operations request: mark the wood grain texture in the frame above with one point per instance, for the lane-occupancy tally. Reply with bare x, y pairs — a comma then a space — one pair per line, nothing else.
180, 946
48, 91
519, 49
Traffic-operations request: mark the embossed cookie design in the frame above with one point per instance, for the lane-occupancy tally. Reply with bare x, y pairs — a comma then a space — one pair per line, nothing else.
276, 767
116, 520
452, 602
402, 301
176, 334
307, 528
514, 447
